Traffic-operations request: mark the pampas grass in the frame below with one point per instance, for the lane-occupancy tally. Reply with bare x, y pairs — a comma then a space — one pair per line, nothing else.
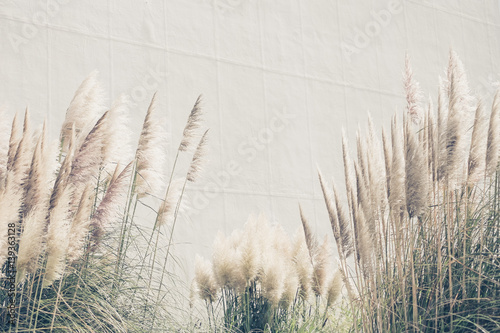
430, 262
80, 263
264, 281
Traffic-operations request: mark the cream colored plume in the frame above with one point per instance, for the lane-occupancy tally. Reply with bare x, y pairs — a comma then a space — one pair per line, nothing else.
22, 158
192, 125
150, 154
80, 224
273, 277
40, 177
302, 263
397, 186
89, 158
30, 242
198, 159
225, 264
15, 138
477, 163
58, 237
321, 268
416, 178
205, 281
413, 94
84, 109
111, 206
334, 288
458, 122
10, 206
250, 262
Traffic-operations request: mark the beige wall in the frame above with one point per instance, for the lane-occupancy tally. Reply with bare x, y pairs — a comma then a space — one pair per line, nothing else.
280, 80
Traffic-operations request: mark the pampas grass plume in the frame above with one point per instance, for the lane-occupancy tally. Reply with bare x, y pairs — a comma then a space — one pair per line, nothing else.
334, 288
477, 163
58, 237
109, 209
86, 106
198, 159
204, 277
193, 123
150, 154
80, 224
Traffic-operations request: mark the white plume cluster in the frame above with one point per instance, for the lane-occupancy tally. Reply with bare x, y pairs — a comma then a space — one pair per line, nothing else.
262, 260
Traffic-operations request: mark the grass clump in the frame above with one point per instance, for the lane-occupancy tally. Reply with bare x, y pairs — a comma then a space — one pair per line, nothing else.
262, 281
423, 218
74, 257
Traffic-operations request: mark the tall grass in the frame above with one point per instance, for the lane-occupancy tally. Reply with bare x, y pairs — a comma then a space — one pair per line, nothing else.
423, 218
262, 281
74, 256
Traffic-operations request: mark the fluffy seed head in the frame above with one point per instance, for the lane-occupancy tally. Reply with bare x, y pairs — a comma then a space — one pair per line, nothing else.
204, 277
192, 125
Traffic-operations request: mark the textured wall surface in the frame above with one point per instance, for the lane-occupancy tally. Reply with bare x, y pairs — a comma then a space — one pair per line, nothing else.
280, 78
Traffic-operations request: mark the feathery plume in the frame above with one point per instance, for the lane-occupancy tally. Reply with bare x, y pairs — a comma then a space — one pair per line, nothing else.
80, 224
89, 158
477, 163
30, 242
10, 206
334, 288
397, 186
109, 209
441, 130
343, 223
150, 154
37, 186
321, 268
455, 131
85, 107
250, 257
64, 172
363, 198
416, 175
225, 264
58, 237
290, 286
204, 277
458, 119
432, 142
331, 208
273, 277
302, 263
349, 179
15, 137
362, 241
413, 94
193, 123
197, 161
376, 167
21, 163
311, 242
493, 144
